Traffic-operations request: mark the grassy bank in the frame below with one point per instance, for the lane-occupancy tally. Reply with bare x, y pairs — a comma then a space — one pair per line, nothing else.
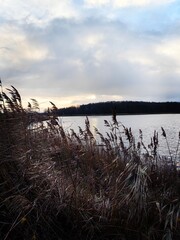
59, 185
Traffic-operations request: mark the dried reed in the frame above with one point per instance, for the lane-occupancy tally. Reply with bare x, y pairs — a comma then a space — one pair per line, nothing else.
60, 185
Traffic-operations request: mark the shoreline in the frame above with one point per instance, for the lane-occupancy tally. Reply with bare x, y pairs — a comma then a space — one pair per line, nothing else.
117, 114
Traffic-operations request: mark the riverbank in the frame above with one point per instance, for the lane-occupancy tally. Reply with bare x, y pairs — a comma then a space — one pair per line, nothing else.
56, 185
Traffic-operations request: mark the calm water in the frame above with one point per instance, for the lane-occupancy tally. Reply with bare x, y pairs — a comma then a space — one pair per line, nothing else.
147, 123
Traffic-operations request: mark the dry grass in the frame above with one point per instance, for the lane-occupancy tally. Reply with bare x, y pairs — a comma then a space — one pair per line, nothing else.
59, 185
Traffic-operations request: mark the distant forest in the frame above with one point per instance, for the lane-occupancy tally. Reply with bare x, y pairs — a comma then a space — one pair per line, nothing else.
124, 107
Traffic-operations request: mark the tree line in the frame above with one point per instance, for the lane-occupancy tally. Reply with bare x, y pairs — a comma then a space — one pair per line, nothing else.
123, 107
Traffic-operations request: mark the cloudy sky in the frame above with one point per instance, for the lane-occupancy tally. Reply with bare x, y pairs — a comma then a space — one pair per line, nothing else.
79, 51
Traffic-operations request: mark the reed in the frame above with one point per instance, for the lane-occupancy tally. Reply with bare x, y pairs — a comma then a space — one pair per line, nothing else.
67, 185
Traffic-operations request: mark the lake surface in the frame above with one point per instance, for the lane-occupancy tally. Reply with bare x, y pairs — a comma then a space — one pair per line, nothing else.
147, 123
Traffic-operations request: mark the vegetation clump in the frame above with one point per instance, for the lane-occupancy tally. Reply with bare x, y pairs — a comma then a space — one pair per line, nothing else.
66, 185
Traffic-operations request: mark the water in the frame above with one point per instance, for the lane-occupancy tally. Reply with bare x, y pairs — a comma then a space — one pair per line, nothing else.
147, 123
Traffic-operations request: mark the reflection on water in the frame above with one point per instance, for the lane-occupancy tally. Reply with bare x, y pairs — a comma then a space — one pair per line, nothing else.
147, 123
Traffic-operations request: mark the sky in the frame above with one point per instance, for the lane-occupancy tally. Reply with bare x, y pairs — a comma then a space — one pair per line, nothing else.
77, 52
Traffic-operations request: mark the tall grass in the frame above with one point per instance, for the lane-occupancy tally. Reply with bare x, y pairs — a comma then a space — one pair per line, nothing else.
67, 185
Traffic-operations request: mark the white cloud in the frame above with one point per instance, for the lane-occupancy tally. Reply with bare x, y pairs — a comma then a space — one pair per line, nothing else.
125, 3
91, 40
76, 63
170, 47
140, 59
37, 11
168, 51
138, 3
97, 2
17, 49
